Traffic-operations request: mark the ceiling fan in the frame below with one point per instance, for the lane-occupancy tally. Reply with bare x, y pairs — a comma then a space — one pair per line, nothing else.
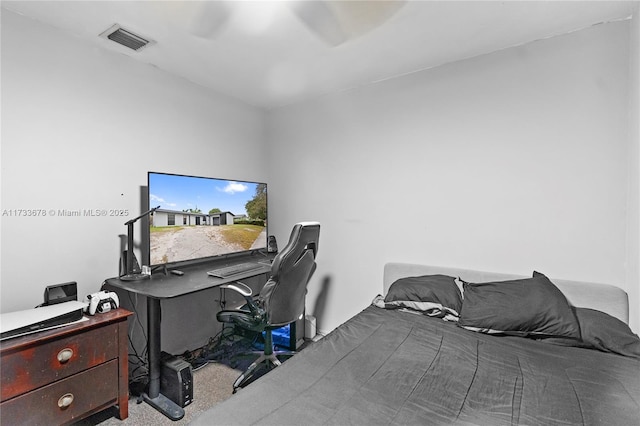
333, 21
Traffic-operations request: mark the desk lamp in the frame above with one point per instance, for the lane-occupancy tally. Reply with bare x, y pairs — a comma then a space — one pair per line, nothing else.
132, 271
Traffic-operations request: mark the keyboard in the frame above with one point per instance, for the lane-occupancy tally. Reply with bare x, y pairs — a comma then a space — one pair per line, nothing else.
231, 270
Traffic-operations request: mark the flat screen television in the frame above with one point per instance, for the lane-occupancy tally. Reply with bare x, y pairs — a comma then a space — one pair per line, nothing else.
200, 218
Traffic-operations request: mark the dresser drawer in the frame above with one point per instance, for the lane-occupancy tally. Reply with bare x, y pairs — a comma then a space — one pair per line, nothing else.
32, 367
66, 400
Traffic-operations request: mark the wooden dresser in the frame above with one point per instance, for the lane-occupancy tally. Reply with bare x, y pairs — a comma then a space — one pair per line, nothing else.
62, 375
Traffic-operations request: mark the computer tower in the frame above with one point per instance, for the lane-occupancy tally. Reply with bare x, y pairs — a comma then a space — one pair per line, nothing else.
291, 336
176, 379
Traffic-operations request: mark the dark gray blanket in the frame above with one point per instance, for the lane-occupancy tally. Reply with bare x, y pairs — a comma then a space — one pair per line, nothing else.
392, 367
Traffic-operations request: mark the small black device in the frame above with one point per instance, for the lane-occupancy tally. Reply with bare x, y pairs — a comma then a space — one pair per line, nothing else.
176, 379
59, 293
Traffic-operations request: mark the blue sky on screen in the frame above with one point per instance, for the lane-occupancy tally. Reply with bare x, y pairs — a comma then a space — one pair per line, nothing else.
174, 192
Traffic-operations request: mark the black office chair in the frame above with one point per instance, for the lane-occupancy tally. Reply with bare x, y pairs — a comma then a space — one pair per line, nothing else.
281, 301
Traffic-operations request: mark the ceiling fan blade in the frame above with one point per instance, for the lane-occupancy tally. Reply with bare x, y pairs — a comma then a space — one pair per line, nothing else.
337, 22
320, 18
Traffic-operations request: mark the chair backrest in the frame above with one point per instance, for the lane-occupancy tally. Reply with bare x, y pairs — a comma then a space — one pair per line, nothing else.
283, 296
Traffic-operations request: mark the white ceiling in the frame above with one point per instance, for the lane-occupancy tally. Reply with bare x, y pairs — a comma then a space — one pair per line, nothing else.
271, 62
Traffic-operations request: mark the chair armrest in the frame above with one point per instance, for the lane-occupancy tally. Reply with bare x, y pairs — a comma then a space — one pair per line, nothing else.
239, 287
246, 292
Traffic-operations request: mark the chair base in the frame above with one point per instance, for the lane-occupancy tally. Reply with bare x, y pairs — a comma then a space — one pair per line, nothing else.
269, 361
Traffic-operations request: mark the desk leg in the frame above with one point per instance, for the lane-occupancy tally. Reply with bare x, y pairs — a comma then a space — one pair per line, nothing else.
154, 397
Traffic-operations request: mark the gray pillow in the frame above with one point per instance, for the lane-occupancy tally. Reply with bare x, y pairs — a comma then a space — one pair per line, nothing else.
529, 307
437, 289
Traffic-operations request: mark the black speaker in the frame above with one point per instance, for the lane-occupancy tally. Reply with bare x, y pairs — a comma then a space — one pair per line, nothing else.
123, 264
272, 246
176, 379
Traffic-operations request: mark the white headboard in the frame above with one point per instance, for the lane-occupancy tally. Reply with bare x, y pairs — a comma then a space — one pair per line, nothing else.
603, 297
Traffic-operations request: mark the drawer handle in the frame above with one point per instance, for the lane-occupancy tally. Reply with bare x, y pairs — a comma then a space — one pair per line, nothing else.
65, 355
65, 400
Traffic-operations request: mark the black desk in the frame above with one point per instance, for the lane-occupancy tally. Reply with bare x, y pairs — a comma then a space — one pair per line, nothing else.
161, 286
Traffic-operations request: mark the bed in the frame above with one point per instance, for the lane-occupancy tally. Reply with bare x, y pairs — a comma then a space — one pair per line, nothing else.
428, 363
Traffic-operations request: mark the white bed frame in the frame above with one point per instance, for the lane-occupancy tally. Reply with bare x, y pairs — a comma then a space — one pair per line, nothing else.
603, 297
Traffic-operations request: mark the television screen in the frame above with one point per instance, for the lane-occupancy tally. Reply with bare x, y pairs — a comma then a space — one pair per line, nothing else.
200, 217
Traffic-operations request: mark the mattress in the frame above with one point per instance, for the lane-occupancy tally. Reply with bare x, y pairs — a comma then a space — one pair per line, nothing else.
394, 367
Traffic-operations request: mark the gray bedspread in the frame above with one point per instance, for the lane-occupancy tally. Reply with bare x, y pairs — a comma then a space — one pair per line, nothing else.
392, 367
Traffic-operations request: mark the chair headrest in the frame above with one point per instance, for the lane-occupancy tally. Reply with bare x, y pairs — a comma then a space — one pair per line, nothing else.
304, 236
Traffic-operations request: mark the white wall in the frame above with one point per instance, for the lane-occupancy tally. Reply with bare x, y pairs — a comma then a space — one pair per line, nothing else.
81, 127
511, 161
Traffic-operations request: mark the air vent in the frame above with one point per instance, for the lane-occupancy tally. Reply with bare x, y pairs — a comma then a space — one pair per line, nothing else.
126, 38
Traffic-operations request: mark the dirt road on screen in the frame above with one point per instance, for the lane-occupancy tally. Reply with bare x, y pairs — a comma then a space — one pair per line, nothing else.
190, 243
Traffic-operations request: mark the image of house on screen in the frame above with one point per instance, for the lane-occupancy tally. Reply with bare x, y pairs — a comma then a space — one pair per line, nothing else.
178, 218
